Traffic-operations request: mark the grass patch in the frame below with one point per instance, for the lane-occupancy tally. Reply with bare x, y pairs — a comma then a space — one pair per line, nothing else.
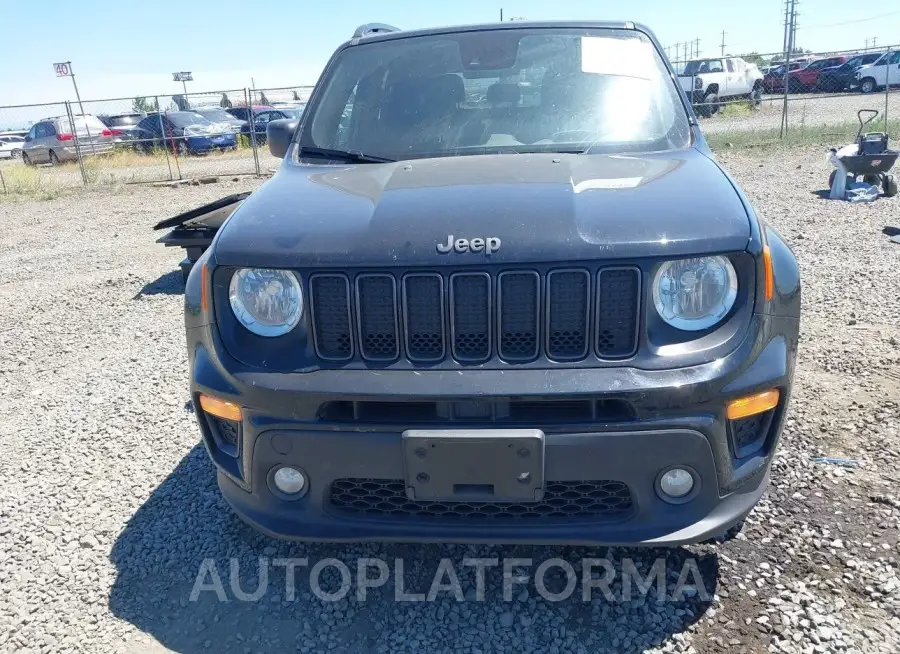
736, 109
838, 134
23, 181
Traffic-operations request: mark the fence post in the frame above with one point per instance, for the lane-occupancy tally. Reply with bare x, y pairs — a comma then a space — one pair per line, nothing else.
887, 86
162, 133
248, 98
78, 154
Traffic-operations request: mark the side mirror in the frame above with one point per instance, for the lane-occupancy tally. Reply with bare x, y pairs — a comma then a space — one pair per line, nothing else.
279, 134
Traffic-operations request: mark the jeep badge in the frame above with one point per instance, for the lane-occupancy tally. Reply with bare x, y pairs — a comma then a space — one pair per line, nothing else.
487, 245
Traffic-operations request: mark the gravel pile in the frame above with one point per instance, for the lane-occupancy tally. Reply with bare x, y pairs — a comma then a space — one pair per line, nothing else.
108, 506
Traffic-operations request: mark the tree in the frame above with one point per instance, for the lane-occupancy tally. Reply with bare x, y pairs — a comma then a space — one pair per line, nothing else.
755, 58
142, 105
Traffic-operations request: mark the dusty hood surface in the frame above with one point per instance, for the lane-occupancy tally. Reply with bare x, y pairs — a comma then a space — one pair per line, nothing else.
542, 207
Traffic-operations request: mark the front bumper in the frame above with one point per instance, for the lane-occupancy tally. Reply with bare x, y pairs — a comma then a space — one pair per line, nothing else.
206, 144
678, 419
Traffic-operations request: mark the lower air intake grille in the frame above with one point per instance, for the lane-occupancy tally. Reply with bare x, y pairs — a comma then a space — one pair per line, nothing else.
386, 498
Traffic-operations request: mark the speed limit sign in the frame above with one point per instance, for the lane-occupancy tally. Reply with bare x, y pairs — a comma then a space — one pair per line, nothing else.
63, 69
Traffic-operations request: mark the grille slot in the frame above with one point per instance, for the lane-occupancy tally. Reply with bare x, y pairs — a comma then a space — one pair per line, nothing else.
376, 297
567, 317
470, 316
423, 305
618, 296
518, 295
331, 316
598, 500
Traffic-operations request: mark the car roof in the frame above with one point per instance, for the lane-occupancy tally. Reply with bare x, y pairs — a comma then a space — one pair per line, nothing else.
507, 25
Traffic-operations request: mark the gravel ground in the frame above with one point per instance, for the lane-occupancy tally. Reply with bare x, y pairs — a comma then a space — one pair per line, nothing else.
805, 109
109, 506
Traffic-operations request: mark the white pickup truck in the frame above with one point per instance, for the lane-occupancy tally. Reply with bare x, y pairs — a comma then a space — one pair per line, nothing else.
710, 82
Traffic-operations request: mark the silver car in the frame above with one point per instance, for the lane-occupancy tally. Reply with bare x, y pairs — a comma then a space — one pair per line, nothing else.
53, 140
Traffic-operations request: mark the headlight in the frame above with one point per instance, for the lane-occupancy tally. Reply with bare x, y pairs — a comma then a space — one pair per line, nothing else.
265, 301
698, 83
695, 294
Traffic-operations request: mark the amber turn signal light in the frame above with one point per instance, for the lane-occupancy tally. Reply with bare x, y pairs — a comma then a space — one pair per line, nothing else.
770, 277
220, 408
752, 404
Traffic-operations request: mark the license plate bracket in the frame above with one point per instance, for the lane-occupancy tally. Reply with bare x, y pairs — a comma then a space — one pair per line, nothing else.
474, 465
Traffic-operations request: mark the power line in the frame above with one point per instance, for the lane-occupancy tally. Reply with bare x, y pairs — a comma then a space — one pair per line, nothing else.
852, 22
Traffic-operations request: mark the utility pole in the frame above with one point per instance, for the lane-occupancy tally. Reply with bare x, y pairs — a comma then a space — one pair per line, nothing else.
501, 14
697, 48
790, 33
874, 42
723, 43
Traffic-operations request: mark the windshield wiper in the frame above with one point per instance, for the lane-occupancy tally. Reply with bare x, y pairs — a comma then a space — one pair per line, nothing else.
343, 155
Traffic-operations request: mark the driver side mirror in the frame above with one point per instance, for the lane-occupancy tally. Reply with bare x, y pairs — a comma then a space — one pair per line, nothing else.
279, 134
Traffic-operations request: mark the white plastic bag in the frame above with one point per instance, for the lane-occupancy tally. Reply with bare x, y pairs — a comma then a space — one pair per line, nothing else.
839, 185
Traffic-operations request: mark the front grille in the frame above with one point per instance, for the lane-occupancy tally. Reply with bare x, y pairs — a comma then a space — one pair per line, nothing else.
598, 500
516, 315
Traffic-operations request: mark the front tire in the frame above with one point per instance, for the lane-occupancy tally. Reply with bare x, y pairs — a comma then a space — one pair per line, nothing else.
54, 160
26, 159
16, 154
868, 85
756, 97
710, 105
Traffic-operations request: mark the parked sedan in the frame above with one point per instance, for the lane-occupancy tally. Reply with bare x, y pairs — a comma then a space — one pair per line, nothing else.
261, 120
123, 126
222, 117
807, 79
185, 132
840, 77
54, 140
11, 147
246, 113
773, 81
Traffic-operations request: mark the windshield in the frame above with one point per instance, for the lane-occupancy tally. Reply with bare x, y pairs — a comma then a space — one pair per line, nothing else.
294, 113
498, 91
185, 118
219, 115
123, 121
703, 66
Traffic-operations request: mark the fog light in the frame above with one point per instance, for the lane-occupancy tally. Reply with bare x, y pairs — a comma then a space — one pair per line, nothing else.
289, 480
676, 483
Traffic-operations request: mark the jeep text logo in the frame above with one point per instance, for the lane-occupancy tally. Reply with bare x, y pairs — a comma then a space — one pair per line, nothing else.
487, 245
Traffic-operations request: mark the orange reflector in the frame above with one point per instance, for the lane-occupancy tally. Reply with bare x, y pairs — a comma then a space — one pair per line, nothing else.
770, 279
220, 408
750, 406
204, 294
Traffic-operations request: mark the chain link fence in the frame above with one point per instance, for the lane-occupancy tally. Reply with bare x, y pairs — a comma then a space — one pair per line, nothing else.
805, 98
45, 148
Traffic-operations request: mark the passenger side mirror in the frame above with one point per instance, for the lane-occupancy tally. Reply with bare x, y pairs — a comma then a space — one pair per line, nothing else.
279, 134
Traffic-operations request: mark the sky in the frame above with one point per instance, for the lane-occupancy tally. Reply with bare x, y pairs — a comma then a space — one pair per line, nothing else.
119, 48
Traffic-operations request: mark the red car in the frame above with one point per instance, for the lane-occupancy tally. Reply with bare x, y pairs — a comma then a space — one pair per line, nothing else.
807, 78
773, 80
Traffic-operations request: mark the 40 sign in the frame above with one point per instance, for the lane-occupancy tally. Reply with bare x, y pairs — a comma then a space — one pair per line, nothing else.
63, 69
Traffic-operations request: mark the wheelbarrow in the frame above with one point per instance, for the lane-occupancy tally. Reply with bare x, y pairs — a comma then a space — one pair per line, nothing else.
869, 157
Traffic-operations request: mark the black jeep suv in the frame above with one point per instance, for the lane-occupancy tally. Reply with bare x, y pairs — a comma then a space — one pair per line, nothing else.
499, 290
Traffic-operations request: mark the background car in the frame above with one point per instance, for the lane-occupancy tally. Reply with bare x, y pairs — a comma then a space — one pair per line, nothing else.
53, 140
219, 115
246, 113
839, 78
185, 132
261, 120
773, 81
294, 112
11, 147
807, 78
123, 126
883, 72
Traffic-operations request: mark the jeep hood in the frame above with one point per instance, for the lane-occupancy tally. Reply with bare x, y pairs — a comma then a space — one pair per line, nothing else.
543, 208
